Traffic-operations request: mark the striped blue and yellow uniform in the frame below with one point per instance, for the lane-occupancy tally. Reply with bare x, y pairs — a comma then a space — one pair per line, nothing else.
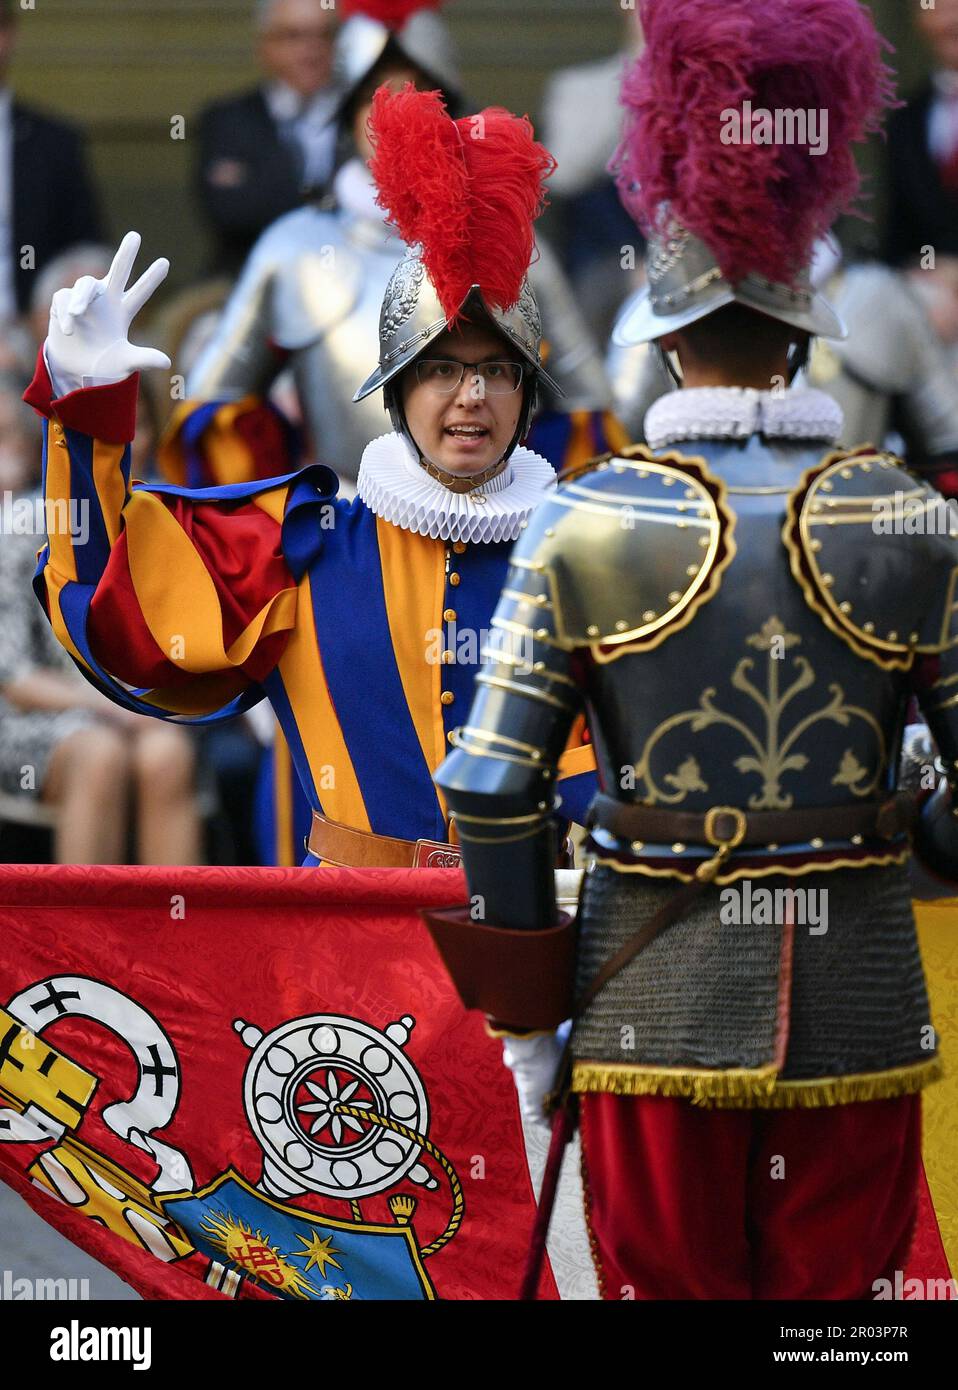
184, 604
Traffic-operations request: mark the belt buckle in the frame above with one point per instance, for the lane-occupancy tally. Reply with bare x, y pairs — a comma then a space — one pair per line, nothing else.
738, 835
435, 854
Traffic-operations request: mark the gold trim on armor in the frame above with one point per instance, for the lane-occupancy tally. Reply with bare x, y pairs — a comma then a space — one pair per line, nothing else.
475, 732
455, 738
501, 683
741, 1088
804, 511
509, 659
703, 490
883, 861
537, 634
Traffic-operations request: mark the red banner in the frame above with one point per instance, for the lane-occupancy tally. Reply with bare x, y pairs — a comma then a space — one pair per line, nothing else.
256, 1082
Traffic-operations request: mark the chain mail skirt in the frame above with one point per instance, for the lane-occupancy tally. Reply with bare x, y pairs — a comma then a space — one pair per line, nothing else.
726, 1007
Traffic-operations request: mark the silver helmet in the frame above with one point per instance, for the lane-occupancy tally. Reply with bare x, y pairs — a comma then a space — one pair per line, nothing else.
423, 41
412, 317
685, 283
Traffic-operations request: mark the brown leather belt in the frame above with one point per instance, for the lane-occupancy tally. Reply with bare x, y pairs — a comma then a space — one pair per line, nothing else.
359, 849
728, 826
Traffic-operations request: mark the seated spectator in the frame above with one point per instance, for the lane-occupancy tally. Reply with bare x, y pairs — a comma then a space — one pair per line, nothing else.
262, 151
61, 741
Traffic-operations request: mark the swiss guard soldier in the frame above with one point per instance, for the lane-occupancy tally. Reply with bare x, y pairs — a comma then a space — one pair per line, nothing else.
308, 301
362, 622
751, 1019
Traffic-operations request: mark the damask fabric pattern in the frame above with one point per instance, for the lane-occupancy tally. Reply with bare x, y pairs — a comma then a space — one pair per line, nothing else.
938, 936
798, 1002
178, 1024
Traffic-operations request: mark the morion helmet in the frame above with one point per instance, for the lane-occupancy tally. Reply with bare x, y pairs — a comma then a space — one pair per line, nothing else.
407, 30
717, 162
464, 194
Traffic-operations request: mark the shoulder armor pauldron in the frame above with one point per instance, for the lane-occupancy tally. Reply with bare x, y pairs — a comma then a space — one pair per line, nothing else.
630, 545
875, 553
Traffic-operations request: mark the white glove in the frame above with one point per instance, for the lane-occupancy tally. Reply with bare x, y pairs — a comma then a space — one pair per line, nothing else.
87, 344
534, 1063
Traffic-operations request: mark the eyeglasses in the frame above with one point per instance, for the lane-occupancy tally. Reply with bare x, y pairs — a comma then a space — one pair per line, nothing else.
444, 375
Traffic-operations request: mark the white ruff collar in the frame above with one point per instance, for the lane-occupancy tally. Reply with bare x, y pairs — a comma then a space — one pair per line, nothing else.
393, 486
735, 412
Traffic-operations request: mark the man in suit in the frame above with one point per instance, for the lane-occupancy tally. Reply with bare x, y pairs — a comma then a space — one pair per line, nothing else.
46, 197
260, 151
922, 152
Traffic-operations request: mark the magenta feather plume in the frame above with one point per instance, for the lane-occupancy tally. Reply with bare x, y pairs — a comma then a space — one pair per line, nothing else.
759, 207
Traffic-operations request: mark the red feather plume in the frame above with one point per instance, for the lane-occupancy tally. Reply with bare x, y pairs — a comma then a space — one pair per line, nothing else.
392, 13
467, 191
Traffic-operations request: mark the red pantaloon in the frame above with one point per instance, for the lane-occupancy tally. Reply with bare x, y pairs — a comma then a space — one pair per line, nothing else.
686, 1202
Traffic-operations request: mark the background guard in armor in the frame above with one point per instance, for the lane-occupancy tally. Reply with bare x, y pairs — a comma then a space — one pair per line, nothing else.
745, 639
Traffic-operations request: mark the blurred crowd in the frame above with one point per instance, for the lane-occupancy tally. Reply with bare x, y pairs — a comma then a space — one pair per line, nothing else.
82, 781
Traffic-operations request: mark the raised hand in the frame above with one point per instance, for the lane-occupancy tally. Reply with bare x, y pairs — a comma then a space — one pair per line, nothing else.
89, 324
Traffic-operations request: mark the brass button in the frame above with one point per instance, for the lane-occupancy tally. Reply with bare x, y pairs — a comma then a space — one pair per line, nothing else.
454, 579
447, 697
451, 736
448, 658
459, 547
449, 616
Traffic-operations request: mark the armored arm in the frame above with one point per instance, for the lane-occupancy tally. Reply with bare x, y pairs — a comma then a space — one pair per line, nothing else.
499, 781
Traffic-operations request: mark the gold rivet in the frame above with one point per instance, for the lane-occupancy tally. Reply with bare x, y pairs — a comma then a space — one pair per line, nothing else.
447, 697
692, 570
668, 482
866, 467
704, 540
448, 658
643, 472
773, 847
868, 627
845, 607
674, 596
828, 580
682, 525
649, 615
459, 547
592, 630
846, 472
857, 840
690, 493
621, 625
678, 848
913, 638
817, 843
449, 616
827, 487
541, 632
815, 545
454, 579
893, 637
550, 532
638, 846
